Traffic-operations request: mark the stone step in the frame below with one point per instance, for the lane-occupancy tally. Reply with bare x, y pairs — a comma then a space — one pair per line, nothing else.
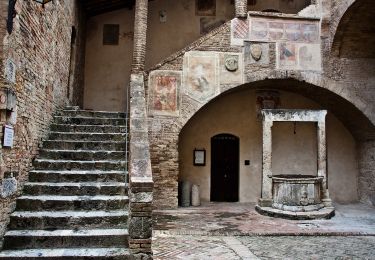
78, 189
111, 253
91, 113
84, 145
77, 176
70, 203
89, 120
46, 164
87, 136
88, 128
89, 238
51, 220
88, 155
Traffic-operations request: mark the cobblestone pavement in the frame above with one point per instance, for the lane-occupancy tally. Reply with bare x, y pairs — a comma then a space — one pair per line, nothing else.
263, 247
236, 231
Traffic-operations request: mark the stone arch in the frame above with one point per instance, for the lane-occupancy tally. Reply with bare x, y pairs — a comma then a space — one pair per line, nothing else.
344, 112
352, 117
165, 132
353, 34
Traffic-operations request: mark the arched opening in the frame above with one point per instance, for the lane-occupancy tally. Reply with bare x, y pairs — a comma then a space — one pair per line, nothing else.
236, 112
355, 35
225, 150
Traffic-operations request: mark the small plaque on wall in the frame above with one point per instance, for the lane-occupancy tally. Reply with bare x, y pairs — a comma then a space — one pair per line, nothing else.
199, 157
8, 136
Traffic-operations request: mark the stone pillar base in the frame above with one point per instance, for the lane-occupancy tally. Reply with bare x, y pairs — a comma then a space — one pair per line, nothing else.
265, 202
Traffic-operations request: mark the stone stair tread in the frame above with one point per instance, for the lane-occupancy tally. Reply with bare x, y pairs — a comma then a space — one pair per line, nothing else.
65, 252
78, 161
94, 111
71, 214
88, 133
82, 125
80, 151
91, 117
79, 184
74, 198
68, 232
79, 172
84, 141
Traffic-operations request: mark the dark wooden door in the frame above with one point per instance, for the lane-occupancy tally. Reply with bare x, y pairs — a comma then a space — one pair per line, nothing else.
224, 168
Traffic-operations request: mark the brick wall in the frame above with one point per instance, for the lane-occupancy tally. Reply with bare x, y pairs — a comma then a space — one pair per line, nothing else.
345, 87
40, 46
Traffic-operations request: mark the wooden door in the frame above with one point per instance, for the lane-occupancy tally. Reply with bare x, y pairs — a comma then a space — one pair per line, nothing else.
224, 168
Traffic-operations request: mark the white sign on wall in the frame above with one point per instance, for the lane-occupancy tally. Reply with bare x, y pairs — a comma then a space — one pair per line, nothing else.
10, 70
8, 136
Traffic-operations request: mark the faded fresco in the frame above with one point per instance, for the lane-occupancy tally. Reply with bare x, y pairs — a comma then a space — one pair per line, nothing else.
231, 68
239, 31
287, 55
277, 29
298, 56
201, 75
164, 92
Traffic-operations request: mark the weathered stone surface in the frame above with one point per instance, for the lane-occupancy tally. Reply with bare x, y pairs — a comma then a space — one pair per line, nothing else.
75, 198
140, 227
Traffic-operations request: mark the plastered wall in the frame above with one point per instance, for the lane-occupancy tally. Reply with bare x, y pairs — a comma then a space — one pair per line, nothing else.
292, 153
107, 68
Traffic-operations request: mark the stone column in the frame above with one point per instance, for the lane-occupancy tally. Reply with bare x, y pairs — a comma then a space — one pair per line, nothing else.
140, 32
266, 198
140, 174
322, 161
241, 8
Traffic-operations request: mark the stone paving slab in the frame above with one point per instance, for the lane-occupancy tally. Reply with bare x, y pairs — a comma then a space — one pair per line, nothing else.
263, 247
242, 219
235, 231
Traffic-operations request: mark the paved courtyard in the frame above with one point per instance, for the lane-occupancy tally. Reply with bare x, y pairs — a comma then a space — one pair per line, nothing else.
236, 231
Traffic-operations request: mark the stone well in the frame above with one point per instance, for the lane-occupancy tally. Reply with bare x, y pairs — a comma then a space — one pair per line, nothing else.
294, 196
297, 193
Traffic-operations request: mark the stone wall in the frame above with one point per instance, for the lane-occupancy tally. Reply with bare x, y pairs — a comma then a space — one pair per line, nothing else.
330, 85
367, 173
39, 47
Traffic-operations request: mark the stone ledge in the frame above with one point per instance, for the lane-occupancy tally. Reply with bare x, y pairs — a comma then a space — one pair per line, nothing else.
324, 213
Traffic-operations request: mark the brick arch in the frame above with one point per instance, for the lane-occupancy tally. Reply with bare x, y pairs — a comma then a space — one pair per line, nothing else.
353, 31
353, 118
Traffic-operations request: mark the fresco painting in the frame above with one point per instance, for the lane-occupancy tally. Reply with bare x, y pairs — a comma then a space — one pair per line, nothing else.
164, 93
201, 77
278, 29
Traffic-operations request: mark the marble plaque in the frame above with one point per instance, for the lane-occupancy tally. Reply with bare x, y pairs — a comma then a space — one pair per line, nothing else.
256, 53
10, 71
231, 68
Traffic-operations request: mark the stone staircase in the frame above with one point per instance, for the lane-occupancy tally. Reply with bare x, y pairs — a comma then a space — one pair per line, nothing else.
75, 205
